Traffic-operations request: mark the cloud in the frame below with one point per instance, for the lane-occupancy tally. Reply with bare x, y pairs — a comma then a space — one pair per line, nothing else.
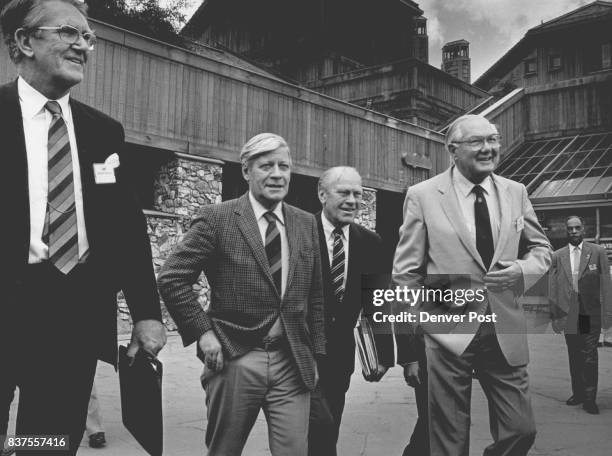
434, 31
511, 18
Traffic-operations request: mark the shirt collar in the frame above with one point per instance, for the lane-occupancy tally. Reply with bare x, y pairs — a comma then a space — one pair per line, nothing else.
572, 247
328, 227
260, 210
464, 186
33, 102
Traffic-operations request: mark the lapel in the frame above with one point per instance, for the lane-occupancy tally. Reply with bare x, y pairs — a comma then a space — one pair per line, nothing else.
353, 257
323, 247
505, 224
247, 224
450, 205
294, 241
564, 257
15, 160
585, 256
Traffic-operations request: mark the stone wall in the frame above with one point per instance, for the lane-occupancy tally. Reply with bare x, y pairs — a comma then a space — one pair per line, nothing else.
184, 184
367, 216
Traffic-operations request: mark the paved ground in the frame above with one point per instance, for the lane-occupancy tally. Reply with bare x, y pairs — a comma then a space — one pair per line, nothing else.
379, 417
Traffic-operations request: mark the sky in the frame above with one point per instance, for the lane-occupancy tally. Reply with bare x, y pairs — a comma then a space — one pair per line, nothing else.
491, 26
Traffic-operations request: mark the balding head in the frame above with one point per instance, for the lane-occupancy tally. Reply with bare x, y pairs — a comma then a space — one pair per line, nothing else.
340, 193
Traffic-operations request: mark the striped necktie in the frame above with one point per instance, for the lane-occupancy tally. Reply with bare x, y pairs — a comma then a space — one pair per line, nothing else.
337, 266
61, 226
273, 251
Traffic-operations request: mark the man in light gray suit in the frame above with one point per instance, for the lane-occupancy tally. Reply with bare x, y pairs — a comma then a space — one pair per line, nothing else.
461, 232
265, 323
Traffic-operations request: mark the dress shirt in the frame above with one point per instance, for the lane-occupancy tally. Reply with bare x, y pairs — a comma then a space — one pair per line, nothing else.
36, 122
328, 231
571, 252
463, 189
262, 223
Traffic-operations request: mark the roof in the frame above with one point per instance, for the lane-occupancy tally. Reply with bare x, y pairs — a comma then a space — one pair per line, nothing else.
597, 11
455, 43
563, 169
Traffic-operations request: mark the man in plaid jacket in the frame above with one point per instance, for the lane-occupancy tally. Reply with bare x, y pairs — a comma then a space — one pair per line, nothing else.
259, 338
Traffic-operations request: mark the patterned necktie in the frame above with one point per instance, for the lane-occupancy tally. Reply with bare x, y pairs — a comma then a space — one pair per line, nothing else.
484, 235
61, 222
576, 268
273, 250
337, 266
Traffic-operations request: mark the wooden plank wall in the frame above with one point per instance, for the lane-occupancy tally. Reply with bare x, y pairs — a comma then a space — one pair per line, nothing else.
174, 99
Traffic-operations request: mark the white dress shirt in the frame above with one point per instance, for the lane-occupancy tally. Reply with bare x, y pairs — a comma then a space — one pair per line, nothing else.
262, 223
463, 189
328, 231
36, 122
572, 249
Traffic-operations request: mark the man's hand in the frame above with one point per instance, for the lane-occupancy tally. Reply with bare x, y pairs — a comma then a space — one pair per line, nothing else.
211, 349
504, 278
377, 375
558, 325
147, 335
412, 374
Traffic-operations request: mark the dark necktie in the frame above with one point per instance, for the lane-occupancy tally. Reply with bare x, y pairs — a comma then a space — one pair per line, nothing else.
61, 222
337, 266
273, 250
484, 236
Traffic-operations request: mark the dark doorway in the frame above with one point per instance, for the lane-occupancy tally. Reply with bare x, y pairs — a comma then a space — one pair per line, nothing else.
389, 217
141, 165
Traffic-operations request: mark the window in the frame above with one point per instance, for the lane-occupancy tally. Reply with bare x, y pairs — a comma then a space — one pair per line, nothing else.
606, 60
530, 67
554, 62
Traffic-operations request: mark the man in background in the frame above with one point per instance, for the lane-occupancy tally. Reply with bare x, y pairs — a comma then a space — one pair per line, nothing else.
580, 297
348, 250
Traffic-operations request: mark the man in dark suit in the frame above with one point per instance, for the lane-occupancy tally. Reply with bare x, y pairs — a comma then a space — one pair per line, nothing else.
580, 297
75, 236
259, 337
348, 250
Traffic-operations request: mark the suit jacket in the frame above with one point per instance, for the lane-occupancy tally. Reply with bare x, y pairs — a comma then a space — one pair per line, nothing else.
436, 251
119, 247
365, 256
224, 241
594, 287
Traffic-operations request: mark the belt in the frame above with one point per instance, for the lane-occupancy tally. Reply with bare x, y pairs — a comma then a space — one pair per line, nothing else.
270, 344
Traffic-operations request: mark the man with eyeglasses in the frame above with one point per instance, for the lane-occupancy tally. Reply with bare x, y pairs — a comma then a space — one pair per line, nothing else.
461, 233
75, 234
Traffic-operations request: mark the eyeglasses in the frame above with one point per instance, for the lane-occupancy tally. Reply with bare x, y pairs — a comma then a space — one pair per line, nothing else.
476, 142
71, 35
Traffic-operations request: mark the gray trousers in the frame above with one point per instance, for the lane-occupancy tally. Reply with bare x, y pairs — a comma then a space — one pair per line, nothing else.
260, 379
93, 425
506, 387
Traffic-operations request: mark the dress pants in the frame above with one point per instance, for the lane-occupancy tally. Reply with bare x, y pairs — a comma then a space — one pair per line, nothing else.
506, 387
260, 379
94, 424
583, 357
419, 440
45, 353
326, 408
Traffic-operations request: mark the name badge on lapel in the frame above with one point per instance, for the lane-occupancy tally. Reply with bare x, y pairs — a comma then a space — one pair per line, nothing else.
592, 267
104, 173
520, 223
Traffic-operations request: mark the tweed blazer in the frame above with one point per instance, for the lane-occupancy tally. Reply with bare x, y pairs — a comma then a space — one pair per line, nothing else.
225, 243
594, 287
436, 251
